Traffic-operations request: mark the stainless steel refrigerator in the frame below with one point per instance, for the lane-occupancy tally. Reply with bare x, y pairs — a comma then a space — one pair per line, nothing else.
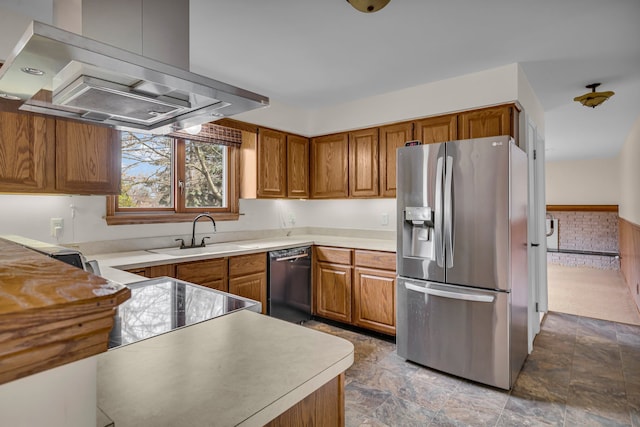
462, 258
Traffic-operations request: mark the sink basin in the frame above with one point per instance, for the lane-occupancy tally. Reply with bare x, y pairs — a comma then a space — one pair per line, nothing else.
210, 249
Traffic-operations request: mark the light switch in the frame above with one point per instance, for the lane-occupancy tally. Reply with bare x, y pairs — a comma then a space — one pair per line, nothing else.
385, 219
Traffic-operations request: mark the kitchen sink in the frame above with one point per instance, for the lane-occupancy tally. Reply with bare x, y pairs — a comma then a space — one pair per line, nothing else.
209, 249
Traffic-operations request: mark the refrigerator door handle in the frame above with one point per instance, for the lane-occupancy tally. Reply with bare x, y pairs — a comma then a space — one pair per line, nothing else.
448, 212
448, 294
437, 226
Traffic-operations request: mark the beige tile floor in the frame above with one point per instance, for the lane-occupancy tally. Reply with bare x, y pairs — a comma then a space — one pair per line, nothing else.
589, 292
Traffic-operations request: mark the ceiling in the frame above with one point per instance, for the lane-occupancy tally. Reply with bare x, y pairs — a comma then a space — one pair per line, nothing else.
317, 53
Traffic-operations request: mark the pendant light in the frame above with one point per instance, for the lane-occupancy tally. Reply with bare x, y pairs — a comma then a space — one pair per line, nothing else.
593, 99
368, 6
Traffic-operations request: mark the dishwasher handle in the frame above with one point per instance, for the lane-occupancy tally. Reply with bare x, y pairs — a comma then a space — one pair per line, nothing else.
292, 257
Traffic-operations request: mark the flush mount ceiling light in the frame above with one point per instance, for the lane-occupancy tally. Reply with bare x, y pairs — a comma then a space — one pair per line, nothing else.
193, 130
368, 6
593, 99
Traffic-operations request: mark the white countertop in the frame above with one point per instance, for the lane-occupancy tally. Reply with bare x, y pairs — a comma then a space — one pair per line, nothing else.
241, 369
111, 264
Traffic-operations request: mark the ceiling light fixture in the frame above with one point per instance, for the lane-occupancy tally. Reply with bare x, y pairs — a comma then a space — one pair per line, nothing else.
193, 130
32, 71
368, 6
593, 99
9, 96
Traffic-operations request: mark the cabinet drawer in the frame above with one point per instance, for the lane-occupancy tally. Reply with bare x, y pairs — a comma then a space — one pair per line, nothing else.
247, 264
376, 259
202, 272
333, 255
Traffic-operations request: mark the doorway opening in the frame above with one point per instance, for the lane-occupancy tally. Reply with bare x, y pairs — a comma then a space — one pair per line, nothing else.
583, 266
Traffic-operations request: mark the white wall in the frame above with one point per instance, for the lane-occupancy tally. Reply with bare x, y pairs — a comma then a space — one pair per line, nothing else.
629, 162
495, 86
530, 102
583, 182
29, 216
62, 396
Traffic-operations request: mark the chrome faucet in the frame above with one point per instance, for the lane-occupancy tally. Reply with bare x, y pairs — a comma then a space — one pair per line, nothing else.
193, 233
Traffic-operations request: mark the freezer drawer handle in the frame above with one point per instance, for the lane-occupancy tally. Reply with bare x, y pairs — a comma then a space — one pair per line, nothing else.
292, 257
449, 294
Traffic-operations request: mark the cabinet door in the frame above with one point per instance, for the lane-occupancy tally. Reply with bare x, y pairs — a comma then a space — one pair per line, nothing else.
272, 163
160, 270
26, 153
297, 167
329, 163
332, 291
87, 158
436, 129
375, 299
211, 273
486, 122
392, 137
243, 265
253, 286
363, 163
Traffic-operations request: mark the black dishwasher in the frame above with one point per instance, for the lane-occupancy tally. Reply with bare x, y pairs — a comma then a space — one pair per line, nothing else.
289, 287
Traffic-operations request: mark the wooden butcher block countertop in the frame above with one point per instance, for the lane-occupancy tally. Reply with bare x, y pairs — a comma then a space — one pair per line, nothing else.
51, 313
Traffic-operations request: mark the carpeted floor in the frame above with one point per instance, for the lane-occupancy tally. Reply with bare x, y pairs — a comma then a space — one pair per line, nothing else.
589, 292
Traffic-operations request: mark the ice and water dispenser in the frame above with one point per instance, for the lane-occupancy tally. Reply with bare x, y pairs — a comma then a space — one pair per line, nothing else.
418, 233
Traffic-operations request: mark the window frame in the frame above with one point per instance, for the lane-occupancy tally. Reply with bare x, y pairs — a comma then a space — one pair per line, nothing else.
231, 212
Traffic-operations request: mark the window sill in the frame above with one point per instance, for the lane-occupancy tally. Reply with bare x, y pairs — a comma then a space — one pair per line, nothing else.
163, 218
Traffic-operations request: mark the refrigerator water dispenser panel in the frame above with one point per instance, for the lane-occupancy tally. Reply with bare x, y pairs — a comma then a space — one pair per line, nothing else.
418, 230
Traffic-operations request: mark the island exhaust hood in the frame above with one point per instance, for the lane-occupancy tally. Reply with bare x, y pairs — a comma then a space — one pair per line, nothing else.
60, 73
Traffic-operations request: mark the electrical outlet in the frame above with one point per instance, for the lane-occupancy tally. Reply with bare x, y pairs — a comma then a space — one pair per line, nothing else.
292, 218
384, 219
57, 227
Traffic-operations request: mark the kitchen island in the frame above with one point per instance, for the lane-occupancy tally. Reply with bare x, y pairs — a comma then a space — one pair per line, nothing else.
240, 369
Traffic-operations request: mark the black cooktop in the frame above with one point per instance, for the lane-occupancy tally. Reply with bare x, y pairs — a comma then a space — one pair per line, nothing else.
161, 305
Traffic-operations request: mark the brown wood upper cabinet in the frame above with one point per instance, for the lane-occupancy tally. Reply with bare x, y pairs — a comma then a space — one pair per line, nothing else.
87, 158
363, 163
392, 137
272, 164
43, 155
297, 167
486, 122
275, 165
27, 157
436, 129
329, 166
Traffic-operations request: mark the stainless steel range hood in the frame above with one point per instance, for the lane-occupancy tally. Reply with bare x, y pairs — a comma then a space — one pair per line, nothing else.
60, 73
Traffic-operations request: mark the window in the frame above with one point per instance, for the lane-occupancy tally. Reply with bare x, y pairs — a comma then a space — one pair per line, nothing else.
169, 178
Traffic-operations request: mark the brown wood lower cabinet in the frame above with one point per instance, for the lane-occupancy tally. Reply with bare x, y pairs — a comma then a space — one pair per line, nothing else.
361, 292
248, 277
333, 291
374, 299
155, 271
211, 273
253, 286
323, 408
